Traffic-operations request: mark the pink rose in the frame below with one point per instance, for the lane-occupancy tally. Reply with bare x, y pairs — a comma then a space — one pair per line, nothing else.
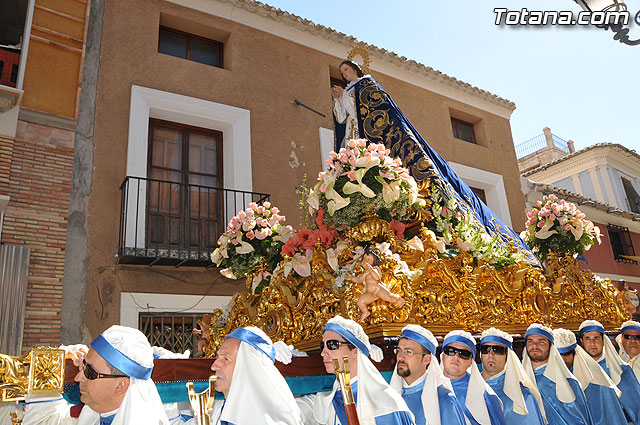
362, 143
260, 209
250, 235
352, 160
323, 188
333, 155
329, 162
352, 143
253, 206
266, 204
541, 223
352, 175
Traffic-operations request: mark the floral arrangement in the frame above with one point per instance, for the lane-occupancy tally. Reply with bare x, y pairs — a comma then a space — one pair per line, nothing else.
255, 236
298, 249
452, 232
557, 225
363, 178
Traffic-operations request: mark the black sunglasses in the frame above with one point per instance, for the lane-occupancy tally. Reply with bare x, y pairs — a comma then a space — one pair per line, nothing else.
498, 349
333, 344
91, 374
462, 353
630, 336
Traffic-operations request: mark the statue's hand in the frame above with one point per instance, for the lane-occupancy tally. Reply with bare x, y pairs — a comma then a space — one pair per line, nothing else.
336, 92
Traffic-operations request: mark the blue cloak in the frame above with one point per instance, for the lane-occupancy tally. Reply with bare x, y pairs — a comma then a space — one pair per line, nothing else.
460, 387
558, 413
450, 411
395, 418
510, 417
630, 389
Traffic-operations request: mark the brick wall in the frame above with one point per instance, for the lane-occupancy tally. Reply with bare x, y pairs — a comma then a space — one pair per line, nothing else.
35, 171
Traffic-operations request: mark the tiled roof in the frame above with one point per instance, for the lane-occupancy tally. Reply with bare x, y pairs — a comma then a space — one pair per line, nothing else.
581, 151
279, 15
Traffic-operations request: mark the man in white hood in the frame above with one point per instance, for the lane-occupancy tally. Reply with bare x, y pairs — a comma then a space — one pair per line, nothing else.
501, 368
115, 385
255, 392
629, 342
419, 379
595, 342
377, 403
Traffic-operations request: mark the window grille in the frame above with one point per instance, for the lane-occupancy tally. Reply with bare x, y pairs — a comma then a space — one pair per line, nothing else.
172, 331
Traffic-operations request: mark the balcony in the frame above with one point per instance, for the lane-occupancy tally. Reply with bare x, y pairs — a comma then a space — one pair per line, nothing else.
175, 224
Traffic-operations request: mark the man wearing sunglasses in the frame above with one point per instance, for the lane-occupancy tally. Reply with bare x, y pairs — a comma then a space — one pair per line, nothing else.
418, 377
479, 402
602, 394
376, 401
562, 397
600, 347
501, 368
630, 345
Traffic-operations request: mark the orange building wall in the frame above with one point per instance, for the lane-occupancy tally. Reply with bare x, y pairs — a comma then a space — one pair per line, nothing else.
264, 74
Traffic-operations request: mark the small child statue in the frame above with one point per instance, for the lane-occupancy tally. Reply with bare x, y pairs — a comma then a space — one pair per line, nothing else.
374, 289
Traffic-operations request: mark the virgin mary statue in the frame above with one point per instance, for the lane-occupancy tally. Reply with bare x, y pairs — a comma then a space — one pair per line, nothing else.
364, 110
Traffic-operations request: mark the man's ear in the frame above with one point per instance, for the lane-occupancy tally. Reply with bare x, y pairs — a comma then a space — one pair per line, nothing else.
123, 386
427, 359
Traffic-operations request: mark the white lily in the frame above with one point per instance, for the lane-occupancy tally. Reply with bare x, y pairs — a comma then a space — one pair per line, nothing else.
390, 191
244, 248
577, 231
228, 273
351, 187
544, 233
313, 199
337, 202
416, 243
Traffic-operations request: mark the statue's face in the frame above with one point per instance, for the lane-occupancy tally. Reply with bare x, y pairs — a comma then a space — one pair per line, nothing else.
631, 343
593, 343
367, 259
348, 73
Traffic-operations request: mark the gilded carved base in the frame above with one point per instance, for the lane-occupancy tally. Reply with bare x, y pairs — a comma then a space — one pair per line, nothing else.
450, 293
41, 371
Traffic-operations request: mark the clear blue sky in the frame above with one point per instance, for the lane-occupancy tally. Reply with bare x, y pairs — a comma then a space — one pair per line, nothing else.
576, 80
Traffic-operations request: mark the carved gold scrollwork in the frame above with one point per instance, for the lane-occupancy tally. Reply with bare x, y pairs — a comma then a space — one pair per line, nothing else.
444, 294
40, 371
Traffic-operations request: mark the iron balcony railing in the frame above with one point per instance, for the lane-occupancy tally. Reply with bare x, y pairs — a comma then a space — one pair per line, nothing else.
168, 223
538, 143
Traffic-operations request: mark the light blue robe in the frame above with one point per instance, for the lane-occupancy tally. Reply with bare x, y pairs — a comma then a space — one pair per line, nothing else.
395, 418
450, 411
510, 417
460, 387
630, 389
558, 413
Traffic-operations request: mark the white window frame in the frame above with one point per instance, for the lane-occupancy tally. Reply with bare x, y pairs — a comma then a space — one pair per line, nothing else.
134, 303
493, 186
233, 122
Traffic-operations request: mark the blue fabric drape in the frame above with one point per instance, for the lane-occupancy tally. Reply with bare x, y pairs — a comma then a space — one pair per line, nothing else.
450, 411
558, 413
460, 387
381, 121
630, 389
395, 418
510, 417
